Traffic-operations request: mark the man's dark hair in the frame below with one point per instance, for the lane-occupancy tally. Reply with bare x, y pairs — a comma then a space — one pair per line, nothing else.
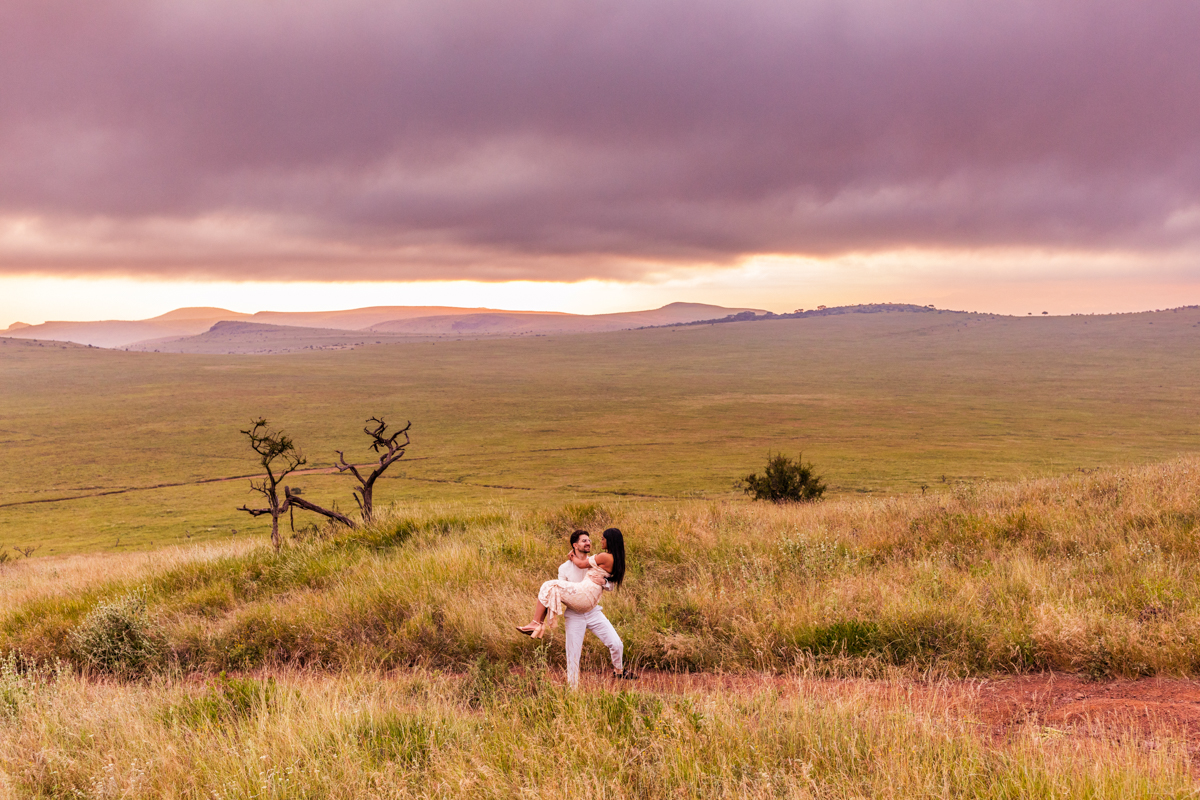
575, 536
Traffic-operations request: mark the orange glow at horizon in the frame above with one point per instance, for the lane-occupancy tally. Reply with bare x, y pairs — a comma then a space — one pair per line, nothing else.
1008, 283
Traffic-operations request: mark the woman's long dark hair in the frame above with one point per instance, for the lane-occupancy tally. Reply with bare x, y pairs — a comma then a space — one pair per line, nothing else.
614, 543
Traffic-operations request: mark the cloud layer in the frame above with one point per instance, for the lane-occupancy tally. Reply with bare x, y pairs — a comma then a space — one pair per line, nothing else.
550, 140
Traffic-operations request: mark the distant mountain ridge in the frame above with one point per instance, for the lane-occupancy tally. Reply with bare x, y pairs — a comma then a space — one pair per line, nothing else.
820, 311
508, 323
242, 337
398, 321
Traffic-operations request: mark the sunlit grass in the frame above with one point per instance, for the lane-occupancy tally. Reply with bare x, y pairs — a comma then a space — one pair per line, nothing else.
489, 733
382, 662
1089, 573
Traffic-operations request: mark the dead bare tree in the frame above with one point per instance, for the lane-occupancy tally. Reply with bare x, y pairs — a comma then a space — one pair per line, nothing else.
272, 446
390, 450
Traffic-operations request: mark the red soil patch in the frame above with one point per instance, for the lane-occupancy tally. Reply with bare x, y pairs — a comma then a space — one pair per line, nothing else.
1145, 707
1147, 710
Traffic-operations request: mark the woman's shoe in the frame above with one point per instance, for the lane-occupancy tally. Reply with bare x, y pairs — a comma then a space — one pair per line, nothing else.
533, 629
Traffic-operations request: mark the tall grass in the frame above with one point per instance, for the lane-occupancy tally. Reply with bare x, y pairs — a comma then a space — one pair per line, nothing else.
490, 733
114, 681
1094, 573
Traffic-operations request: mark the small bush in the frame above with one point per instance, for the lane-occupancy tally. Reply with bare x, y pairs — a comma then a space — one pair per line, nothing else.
119, 638
21, 679
785, 481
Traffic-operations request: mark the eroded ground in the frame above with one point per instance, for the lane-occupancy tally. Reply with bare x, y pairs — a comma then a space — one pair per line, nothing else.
1150, 711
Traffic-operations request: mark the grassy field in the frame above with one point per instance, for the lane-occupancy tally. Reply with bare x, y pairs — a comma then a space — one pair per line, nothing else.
490, 735
382, 662
882, 403
1093, 574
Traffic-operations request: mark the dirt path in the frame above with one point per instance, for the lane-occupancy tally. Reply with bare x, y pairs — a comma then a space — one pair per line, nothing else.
1146, 710
1144, 707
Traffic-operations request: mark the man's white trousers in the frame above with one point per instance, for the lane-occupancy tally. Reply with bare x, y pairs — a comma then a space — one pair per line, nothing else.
577, 627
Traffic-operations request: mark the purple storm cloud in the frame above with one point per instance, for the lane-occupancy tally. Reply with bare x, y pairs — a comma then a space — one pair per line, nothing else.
566, 140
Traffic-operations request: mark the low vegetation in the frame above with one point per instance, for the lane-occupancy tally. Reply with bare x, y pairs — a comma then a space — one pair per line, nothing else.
785, 481
488, 733
380, 661
1093, 573
120, 638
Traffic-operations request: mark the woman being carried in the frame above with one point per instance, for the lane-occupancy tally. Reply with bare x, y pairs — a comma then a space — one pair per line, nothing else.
607, 567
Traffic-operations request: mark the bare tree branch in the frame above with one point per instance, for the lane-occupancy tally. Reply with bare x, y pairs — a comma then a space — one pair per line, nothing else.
341, 465
300, 502
255, 512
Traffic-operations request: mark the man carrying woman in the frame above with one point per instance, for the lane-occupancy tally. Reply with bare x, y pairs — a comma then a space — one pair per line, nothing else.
575, 595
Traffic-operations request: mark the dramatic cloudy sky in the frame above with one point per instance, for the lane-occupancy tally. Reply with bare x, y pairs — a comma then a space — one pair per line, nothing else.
599, 154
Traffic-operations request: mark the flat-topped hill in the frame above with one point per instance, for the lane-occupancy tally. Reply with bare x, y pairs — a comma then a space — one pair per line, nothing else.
241, 337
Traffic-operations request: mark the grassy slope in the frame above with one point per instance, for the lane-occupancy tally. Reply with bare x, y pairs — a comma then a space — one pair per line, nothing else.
1095, 573
881, 403
1091, 573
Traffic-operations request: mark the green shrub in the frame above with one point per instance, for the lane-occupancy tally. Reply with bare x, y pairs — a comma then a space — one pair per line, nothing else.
120, 638
849, 637
785, 481
261, 635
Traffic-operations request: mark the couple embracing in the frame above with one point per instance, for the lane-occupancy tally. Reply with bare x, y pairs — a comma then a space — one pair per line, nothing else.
575, 595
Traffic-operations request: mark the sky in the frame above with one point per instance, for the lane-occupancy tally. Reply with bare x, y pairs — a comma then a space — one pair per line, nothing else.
594, 157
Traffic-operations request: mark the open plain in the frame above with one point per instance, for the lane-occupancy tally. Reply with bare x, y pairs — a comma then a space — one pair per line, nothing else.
148, 443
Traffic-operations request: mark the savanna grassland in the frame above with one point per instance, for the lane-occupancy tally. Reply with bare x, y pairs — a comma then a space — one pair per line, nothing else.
381, 662
787, 651
882, 403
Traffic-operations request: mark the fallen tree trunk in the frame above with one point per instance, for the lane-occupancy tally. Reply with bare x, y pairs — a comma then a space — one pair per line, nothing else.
299, 502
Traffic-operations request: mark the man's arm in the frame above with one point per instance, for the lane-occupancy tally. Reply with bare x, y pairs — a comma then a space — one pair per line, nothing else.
563, 571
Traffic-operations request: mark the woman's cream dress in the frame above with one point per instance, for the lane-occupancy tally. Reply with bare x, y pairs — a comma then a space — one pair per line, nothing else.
580, 597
